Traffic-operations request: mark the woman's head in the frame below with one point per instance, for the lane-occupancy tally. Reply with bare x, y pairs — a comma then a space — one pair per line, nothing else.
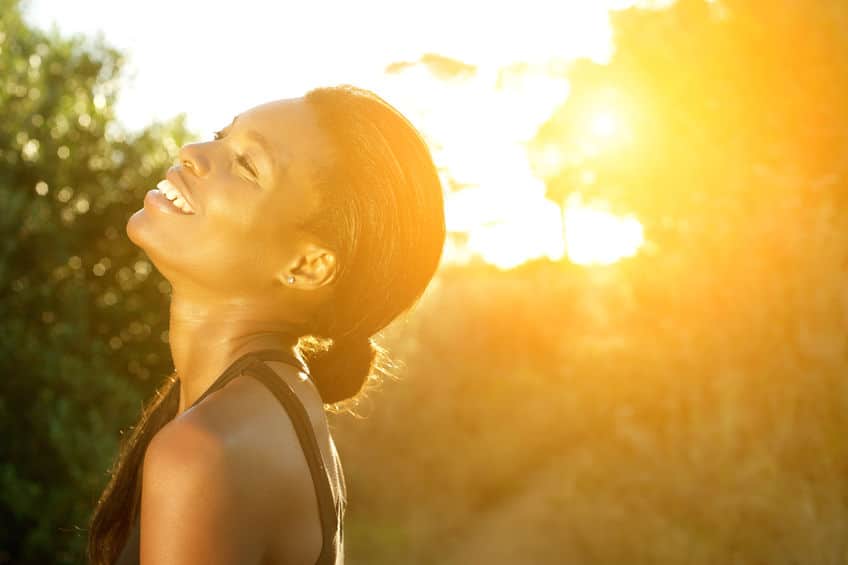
336, 191
249, 190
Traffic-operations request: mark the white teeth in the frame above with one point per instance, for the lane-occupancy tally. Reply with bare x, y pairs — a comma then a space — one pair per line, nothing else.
171, 192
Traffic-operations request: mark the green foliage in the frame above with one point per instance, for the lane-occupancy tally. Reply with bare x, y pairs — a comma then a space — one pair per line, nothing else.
83, 311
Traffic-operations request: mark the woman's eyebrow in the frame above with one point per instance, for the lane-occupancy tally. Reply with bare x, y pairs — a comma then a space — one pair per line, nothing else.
260, 140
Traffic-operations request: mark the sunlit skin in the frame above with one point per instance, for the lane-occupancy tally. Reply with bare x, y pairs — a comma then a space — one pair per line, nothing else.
227, 481
228, 263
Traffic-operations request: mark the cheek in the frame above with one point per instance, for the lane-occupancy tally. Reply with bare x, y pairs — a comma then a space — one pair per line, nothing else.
230, 209
227, 233
244, 232
222, 261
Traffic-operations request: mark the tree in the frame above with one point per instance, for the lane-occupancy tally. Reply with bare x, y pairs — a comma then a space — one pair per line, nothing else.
726, 139
719, 112
83, 311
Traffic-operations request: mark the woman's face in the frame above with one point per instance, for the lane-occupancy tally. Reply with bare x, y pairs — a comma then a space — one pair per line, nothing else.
248, 189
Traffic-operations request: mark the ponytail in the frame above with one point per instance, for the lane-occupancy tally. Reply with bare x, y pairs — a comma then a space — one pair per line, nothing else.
340, 369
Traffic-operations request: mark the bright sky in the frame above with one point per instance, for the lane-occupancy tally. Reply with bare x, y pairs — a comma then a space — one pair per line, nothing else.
213, 60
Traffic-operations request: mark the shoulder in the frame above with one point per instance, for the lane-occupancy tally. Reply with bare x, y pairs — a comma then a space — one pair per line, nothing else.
185, 461
187, 447
239, 433
193, 502
221, 476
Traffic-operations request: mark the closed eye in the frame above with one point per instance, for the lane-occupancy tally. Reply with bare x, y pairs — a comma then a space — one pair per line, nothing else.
247, 164
241, 159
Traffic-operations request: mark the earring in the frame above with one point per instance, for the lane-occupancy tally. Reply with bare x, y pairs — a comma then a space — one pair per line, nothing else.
290, 279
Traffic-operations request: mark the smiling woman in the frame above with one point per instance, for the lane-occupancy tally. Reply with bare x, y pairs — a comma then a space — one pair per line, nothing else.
297, 233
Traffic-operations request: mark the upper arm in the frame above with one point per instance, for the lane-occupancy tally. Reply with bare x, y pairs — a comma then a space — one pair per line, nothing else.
194, 507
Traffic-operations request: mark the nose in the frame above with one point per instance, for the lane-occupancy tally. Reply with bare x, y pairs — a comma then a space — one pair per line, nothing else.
194, 159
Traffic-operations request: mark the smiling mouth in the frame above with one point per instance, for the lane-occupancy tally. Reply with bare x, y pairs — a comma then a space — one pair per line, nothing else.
174, 195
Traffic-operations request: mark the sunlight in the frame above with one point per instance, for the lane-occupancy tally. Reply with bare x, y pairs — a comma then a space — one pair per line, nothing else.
478, 128
603, 124
507, 232
594, 236
478, 103
479, 122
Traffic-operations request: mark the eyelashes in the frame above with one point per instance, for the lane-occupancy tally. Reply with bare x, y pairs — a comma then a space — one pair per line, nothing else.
241, 159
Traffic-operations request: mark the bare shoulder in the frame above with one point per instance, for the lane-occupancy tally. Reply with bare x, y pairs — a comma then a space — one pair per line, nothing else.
194, 502
227, 482
242, 427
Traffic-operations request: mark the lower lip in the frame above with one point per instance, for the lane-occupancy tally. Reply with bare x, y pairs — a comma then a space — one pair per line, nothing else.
158, 200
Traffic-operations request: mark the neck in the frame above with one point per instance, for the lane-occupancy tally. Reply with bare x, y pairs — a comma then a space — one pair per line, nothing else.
208, 334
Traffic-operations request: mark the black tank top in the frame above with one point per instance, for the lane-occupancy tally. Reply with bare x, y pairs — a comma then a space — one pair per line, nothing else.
332, 494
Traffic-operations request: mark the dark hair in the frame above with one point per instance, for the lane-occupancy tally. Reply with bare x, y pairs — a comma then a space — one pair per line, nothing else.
383, 213
112, 519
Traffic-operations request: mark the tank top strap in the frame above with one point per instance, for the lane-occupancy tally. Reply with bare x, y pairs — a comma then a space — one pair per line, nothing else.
284, 356
330, 504
237, 366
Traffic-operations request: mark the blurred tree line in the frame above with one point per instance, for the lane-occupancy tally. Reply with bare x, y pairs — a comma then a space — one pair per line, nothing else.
83, 311
686, 405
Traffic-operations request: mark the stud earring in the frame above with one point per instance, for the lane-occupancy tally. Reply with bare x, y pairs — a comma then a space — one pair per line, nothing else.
290, 279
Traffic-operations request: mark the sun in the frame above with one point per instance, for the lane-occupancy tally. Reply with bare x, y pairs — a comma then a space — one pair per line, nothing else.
604, 124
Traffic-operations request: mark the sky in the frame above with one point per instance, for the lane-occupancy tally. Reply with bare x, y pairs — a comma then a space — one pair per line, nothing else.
211, 60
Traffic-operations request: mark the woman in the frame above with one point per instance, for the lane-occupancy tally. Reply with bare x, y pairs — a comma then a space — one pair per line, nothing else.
298, 232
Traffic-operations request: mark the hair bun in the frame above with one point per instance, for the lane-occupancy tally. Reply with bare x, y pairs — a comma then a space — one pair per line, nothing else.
341, 370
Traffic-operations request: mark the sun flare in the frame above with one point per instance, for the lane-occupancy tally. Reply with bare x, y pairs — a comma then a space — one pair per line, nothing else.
604, 124
595, 236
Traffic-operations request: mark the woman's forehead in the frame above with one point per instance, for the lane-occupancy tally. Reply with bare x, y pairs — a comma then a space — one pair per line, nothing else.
279, 119
289, 125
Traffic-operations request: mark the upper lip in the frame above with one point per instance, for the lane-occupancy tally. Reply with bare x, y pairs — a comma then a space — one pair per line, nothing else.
174, 176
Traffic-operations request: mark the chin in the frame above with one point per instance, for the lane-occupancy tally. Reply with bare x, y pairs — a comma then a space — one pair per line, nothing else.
141, 231
138, 229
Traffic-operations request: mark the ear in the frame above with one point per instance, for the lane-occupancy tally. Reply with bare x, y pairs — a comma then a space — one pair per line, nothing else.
313, 268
